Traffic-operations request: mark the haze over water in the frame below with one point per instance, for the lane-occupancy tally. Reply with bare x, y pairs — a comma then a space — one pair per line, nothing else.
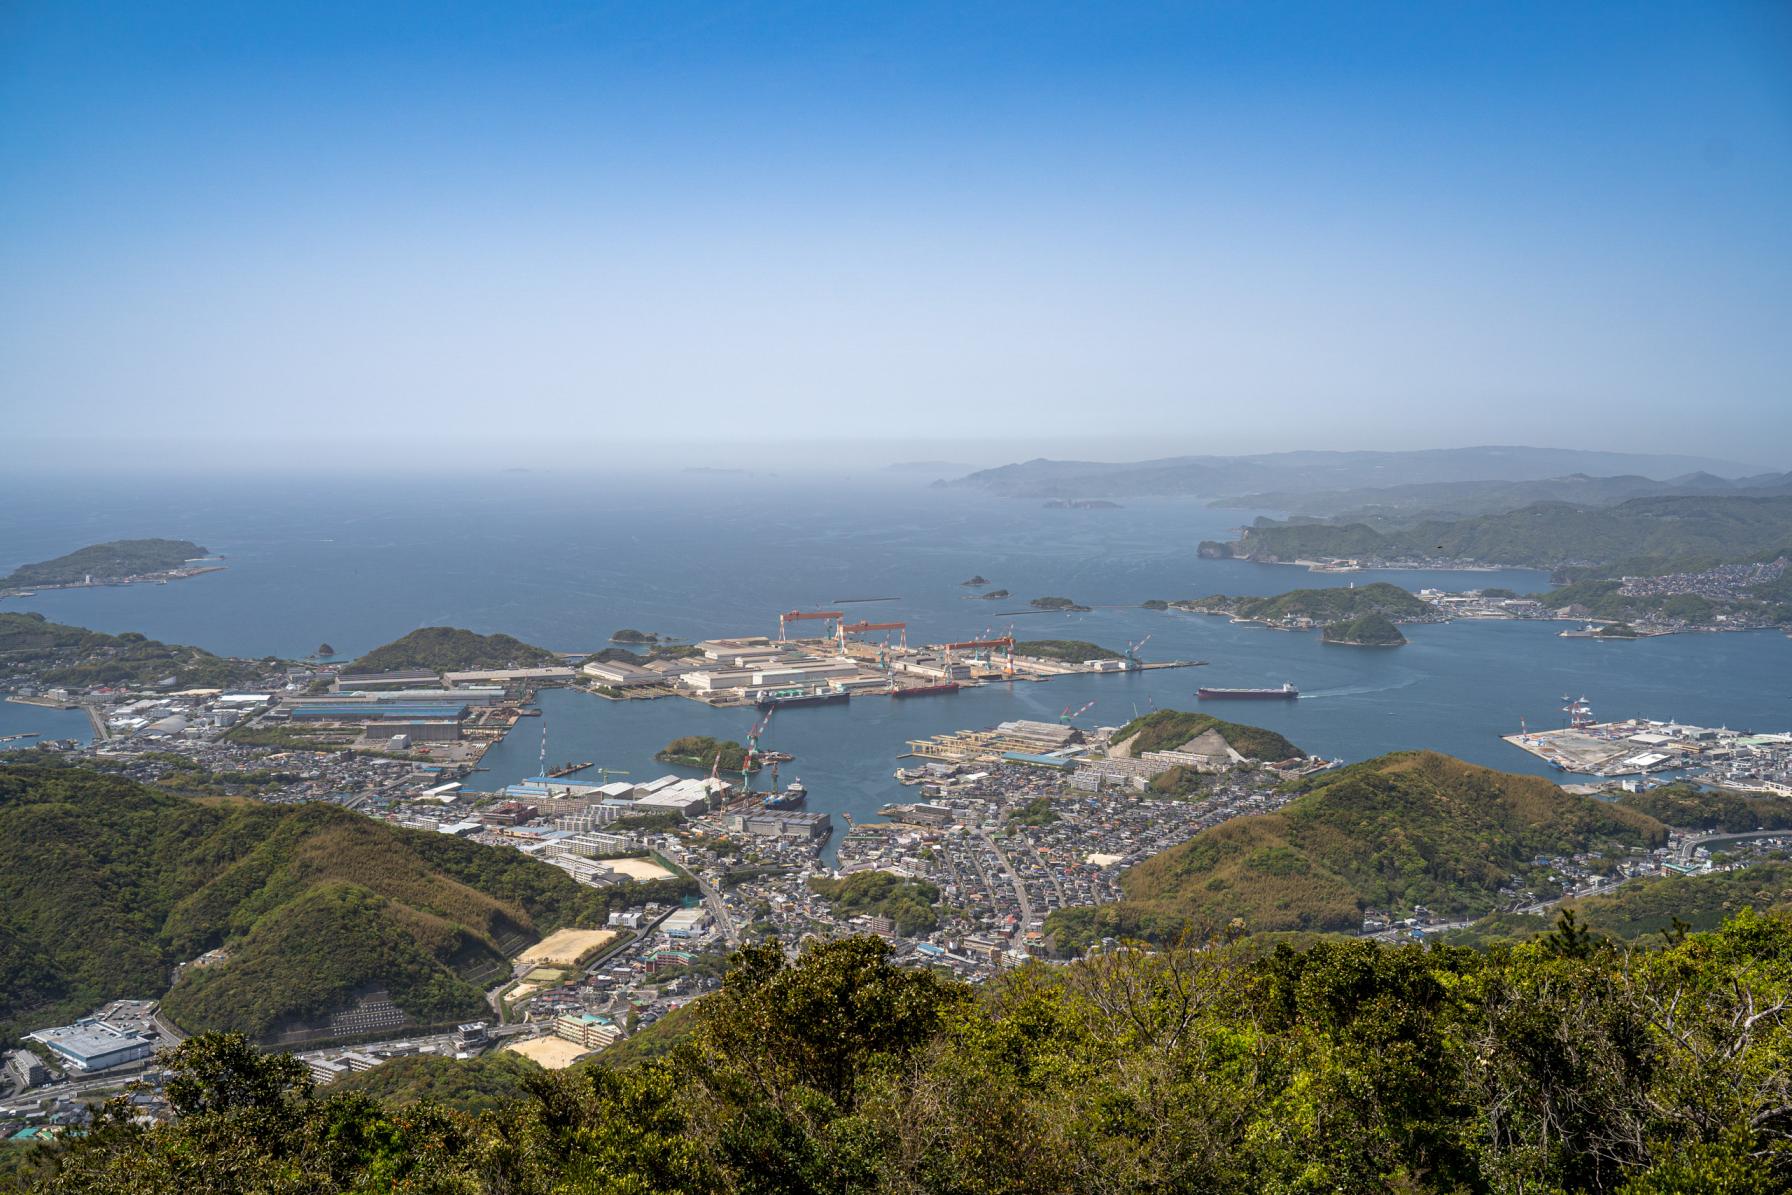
564, 562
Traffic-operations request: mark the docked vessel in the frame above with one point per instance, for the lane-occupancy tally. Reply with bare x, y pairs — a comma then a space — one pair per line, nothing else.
1286, 692
791, 798
950, 686
778, 701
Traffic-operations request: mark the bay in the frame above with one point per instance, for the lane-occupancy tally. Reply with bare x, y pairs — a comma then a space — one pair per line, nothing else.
563, 561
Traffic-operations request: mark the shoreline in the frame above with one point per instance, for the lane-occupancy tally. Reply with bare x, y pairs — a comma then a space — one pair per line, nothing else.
157, 578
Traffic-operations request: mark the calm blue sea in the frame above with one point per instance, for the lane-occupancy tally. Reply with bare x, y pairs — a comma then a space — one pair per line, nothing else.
564, 561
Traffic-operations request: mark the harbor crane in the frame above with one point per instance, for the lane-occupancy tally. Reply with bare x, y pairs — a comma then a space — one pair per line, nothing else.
842, 630
746, 763
790, 616
1005, 642
1067, 717
1132, 652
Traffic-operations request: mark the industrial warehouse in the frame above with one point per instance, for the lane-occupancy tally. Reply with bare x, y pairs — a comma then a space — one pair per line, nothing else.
846, 660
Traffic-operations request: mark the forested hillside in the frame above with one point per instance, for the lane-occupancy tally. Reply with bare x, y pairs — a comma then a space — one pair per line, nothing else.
1644, 535
450, 649
1167, 730
1412, 828
314, 904
1657, 908
1320, 605
1559, 1066
56, 654
106, 562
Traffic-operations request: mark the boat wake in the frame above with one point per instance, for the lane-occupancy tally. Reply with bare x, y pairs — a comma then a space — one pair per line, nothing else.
1359, 690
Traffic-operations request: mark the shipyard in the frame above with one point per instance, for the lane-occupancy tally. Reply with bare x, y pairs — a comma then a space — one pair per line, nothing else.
848, 659
1638, 747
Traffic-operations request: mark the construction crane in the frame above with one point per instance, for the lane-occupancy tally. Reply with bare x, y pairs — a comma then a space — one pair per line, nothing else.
1005, 642
790, 616
604, 774
842, 630
1132, 652
746, 763
1067, 717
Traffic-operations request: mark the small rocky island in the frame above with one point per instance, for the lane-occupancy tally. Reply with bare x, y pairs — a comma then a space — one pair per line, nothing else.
631, 635
977, 580
992, 596
704, 753
1373, 629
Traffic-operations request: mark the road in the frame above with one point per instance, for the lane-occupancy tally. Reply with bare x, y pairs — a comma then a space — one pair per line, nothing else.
1020, 887
1687, 847
718, 909
1542, 906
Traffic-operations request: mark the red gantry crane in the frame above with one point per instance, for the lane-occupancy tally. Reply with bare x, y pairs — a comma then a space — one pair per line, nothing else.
1005, 642
790, 616
859, 628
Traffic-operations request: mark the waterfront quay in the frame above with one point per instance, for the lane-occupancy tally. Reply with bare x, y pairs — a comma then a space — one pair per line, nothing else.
1639, 747
862, 659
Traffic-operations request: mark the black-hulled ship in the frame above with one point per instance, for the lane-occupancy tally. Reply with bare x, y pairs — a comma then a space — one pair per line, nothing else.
792, 797
1286, 693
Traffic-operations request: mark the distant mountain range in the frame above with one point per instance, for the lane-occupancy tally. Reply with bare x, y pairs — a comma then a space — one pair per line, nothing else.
1640, 536
1312, 472
1387, 506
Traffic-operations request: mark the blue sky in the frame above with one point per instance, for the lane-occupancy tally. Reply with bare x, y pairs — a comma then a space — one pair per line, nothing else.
1207, 227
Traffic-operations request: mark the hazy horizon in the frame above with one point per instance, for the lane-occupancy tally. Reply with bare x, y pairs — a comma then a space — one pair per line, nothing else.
235, 236
894, 459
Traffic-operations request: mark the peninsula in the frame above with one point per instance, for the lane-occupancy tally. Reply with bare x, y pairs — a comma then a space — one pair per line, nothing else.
1303, 609
119, 562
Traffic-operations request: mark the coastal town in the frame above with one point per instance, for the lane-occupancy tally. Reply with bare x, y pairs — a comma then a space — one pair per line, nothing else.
1010, 826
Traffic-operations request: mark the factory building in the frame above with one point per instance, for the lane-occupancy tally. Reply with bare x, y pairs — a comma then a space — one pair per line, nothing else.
742, 651
471, 695
376, 711
444, 730
91, 1045
797, 674
774, 823
505, 676
688, 797
686, 923
622, 675
410, 678
711, 680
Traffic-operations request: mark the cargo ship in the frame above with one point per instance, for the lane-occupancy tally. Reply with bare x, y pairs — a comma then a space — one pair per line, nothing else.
950, 686
791, 798
1286, 692
778, 701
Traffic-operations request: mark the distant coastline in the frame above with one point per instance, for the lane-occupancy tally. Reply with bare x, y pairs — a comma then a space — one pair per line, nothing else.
120, 562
